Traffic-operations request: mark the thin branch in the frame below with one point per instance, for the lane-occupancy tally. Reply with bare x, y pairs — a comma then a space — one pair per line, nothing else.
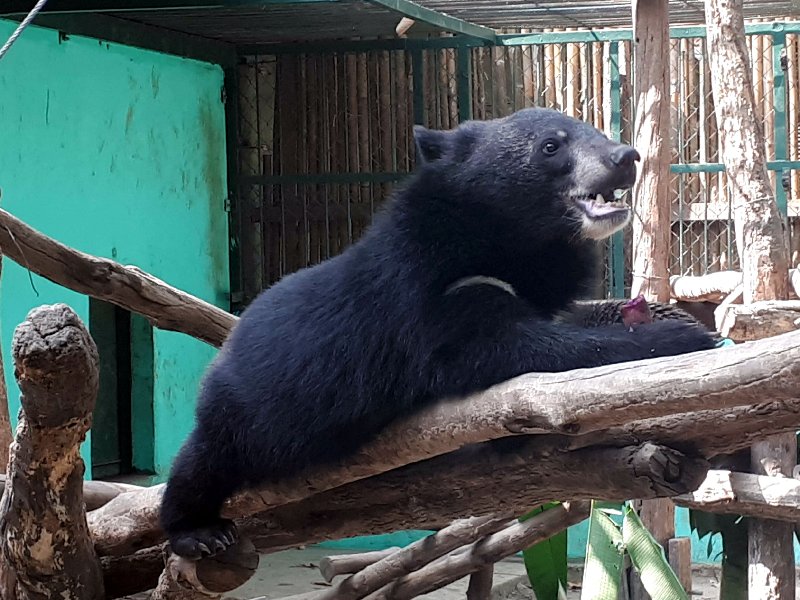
411, 558
129, 287
479, 555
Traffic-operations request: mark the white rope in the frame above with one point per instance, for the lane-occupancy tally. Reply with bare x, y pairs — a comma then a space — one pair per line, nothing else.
21, 27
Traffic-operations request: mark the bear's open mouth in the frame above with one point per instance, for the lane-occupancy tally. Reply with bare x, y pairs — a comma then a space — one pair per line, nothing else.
602, 206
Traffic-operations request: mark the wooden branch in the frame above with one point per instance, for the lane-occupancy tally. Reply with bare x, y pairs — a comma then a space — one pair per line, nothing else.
488, 551
6, 435
126, 286
375, 576
570, 403
480, 584
95, 493
713, 286
346, 564
46, 548
704, 433
745, 494
759, 320
508, 476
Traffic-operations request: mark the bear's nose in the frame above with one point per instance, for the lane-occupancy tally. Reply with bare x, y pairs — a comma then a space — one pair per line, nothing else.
624, 156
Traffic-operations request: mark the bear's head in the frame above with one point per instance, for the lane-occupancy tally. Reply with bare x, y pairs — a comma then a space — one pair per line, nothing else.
551, 174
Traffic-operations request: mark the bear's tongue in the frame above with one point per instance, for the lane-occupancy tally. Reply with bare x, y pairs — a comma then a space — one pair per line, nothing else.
599, 208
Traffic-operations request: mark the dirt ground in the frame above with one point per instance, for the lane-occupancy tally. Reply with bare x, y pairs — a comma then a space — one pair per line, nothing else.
293, 575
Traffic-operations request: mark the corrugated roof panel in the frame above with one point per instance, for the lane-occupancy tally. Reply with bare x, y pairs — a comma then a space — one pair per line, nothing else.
278, 22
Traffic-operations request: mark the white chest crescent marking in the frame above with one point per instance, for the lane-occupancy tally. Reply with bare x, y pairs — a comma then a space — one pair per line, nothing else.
480, 280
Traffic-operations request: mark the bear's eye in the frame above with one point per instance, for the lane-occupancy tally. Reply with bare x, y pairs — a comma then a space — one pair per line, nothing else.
550, 147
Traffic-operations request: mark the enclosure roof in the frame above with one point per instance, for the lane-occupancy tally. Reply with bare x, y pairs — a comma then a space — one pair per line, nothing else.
261, 22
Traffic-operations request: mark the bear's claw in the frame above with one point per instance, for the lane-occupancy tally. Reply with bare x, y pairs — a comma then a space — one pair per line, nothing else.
204, 542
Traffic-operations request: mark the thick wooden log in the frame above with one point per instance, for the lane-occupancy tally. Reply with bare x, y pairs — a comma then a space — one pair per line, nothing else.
706, 433
759, 320
760, 496
129, 287
508, 476
44, 539
562, 403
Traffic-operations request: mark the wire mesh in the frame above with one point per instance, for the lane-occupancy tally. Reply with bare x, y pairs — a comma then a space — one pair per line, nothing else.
324, 136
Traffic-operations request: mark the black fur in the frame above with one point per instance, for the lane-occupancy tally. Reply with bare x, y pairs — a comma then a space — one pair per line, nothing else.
330, 355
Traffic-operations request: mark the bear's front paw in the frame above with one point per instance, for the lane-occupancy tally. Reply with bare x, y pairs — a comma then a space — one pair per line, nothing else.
205, 541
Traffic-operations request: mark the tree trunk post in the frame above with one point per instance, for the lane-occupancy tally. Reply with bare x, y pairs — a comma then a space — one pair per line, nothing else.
761, 241
44, 538
651, 197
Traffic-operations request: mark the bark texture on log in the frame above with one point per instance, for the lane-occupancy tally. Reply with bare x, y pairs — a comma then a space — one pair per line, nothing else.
208, 579
760, 235
479, 555
651, 199
759, 320
44, 539
420, 495
763, 254
771, 497
480, 584
741, 376
652, 206
6, 435
415, 556
95, 493
559, 402
129, 287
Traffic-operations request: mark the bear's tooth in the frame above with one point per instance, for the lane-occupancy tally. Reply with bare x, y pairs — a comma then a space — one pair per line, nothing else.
600, 198
618, 193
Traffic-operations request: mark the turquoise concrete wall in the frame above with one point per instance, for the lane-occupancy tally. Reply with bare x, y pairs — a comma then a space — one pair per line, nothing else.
118, 152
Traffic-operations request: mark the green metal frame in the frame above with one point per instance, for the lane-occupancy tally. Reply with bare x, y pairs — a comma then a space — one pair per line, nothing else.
139, 35
438, 19
463, 44
23, 7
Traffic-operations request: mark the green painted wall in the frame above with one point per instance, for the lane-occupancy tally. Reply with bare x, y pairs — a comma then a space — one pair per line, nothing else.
118, 152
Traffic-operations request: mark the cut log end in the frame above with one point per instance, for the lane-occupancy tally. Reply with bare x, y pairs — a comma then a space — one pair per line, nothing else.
184, 579
55, 362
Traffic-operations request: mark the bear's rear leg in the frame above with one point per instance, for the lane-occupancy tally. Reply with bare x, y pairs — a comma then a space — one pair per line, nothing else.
200, 482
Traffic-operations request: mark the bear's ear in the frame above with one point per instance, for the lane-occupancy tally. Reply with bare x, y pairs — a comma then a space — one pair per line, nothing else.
431, 143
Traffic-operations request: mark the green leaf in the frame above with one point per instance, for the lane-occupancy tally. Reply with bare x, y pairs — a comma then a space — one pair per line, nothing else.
546, 562
605, 557
648, 558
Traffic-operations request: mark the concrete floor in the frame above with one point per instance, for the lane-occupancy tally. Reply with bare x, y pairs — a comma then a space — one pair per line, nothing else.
293, 575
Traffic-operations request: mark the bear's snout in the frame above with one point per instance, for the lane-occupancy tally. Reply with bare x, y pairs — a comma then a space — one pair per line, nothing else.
624, 156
